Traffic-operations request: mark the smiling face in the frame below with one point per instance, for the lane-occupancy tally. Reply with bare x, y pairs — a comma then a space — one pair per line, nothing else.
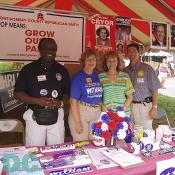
90, 63
103, 34
133, 54
47, 49
112, 63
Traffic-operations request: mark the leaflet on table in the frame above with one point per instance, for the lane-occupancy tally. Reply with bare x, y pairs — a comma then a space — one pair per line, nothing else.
36, 171
57, 148
33, 150
64, 154
99, 160
122, 157
18, 151
165, 167
67, 162
68, 171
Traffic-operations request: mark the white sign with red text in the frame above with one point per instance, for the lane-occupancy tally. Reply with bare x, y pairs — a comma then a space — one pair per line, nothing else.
21, 30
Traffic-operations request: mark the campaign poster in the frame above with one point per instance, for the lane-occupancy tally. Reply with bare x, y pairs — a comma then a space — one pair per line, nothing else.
123, 35
22, 29
123, 29
158, 35
102, 32
172, 36
8, 74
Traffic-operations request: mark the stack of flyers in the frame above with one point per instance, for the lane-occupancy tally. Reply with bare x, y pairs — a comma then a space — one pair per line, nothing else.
57, 148
67, 162
69, 153
68, 171
60, 155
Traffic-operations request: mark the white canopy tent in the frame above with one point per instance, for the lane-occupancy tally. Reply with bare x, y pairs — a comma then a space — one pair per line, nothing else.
161, 53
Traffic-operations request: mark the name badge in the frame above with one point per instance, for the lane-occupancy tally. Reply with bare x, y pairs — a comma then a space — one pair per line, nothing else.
41, 78
140, 80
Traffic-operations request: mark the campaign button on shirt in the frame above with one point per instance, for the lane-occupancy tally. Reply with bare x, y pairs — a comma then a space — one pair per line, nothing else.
58, 76
140, 73
54, 93
43, 92
41, 78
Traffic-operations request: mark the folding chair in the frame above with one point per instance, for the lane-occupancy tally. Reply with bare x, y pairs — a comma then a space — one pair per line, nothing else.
11, 127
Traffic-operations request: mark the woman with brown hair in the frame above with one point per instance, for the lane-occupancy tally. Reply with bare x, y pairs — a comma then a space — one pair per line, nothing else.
85, 98
117, 86
103, 36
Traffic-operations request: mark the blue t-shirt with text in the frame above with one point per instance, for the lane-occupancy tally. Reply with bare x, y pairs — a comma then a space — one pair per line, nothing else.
86, 88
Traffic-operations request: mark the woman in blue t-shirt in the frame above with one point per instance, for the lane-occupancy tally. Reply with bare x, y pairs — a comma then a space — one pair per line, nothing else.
85, 98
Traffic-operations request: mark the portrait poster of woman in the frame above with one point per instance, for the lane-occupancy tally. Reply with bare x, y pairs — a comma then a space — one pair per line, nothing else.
159, 35
103, 36
172, 36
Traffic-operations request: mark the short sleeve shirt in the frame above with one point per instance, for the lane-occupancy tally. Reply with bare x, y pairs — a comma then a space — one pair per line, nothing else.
86, 87
37, 81
144, 80
114, 93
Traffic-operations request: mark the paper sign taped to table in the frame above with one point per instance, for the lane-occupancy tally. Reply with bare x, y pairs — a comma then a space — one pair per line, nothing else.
166, 167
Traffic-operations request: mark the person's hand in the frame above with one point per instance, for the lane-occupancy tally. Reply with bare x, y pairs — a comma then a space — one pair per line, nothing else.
44, 101
79, 127
57, 103
153, 113
103, 108
49, 102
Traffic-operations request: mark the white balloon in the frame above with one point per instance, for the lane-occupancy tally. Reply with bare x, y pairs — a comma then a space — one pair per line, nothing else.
121, 134
104, 127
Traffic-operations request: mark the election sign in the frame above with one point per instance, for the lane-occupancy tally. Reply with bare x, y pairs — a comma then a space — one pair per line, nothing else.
22, 29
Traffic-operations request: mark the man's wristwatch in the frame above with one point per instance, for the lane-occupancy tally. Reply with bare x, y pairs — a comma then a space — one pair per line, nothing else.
154, 106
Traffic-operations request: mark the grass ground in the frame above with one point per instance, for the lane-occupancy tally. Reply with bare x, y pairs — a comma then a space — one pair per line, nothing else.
168, 104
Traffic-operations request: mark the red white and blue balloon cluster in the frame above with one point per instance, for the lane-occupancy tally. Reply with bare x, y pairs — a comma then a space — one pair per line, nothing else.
113, 125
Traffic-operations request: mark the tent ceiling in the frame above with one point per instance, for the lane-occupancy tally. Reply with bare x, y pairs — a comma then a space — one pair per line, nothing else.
158, 10
141, 11
31, 3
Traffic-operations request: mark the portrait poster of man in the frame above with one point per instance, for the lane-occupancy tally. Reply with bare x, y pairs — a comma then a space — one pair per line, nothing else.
172, 36
158, 35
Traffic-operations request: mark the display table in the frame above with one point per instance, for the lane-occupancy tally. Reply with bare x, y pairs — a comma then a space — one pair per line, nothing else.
147, 168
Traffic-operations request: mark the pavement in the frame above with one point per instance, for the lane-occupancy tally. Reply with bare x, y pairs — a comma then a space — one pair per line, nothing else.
169, 87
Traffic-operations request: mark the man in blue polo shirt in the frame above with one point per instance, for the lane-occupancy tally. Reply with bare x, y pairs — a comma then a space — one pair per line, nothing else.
44, 86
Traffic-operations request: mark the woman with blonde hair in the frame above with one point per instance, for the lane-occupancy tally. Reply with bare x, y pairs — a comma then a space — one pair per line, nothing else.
117, 86
85, 98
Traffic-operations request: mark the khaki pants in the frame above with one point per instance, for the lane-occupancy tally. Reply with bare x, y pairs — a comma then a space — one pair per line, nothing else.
38, 135
87, 115
140, 115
